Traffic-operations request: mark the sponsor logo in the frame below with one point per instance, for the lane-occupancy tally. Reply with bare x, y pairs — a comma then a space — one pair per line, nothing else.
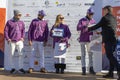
75, 4
17, 4
27, 21
118, 23
78, 57
118, 55
118, 12
89, 4
33, 5
118, 17
73, 64
59, 4
47, 3
27, 15
118, 20
68, 14
118, 29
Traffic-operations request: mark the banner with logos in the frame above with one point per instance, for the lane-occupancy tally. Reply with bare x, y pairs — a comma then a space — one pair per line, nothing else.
72, 10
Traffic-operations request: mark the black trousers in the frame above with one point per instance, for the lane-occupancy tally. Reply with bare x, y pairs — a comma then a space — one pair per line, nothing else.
110, 48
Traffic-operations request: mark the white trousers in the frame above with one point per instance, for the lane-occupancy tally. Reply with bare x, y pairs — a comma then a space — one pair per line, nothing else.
37, 46
18, 48
86, 49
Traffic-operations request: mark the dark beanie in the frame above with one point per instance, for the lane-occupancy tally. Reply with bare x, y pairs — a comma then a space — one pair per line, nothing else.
16, 12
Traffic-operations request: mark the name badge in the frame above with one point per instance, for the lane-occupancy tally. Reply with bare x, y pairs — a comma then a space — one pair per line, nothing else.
57, 32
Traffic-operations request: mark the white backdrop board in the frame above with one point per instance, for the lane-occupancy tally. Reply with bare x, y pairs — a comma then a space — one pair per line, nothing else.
72, 10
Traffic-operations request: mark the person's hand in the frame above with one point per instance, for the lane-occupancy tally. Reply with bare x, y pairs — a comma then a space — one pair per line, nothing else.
9, 40
98, 32
22, 39
30, 43
52, 31
97, 42
68, 45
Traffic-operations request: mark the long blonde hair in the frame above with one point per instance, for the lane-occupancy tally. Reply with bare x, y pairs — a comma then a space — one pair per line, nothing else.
57, 22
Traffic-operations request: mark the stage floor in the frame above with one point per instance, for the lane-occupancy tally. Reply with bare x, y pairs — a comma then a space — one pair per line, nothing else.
5, 75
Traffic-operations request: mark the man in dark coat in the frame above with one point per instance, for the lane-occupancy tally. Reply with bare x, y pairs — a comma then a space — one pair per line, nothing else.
108, 24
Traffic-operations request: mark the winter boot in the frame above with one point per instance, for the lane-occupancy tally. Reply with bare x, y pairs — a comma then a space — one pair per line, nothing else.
57, 67
83, 70
108, 75
63, 66
91, 70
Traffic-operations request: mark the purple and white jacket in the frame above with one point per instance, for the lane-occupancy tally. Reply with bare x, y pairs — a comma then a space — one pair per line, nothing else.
82, 25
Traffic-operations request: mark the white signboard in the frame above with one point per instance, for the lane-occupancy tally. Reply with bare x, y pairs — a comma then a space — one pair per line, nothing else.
57, 32
72, 10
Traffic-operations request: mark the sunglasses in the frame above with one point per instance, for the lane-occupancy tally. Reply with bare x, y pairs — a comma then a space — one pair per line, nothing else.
19, 15
91, 13
61, 17
39, 15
